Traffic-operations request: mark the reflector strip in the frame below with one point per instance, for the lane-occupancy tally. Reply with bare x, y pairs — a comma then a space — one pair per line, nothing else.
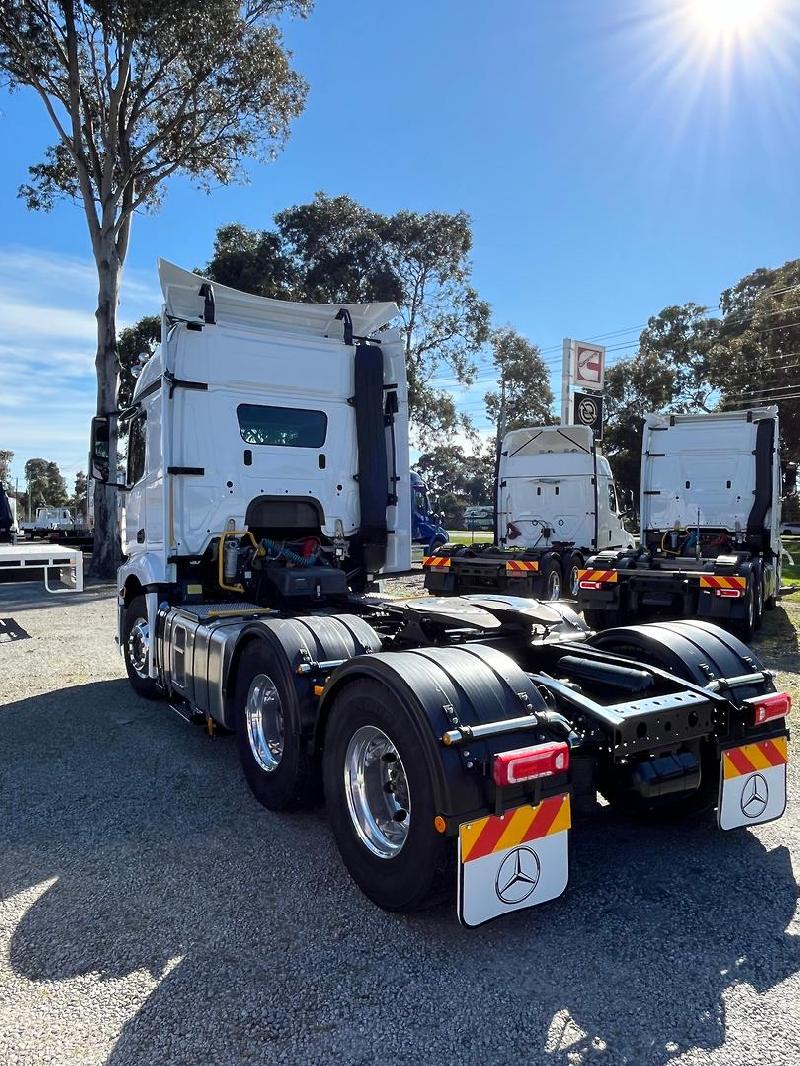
715, 582
515, 827
752, 757
436, 562
520, 567
598, 575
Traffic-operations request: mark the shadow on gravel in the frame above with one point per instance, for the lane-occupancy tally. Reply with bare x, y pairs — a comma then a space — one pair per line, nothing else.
776, 642
160, 854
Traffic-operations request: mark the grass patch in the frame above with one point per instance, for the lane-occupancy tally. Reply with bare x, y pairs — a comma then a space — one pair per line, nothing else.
464, 536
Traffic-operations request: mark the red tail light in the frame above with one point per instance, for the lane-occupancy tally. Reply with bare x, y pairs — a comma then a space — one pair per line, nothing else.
586, 584
526, 764
729, 594
773, 705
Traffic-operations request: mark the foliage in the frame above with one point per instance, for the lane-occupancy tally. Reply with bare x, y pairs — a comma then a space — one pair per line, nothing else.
46, 486
78, 499
335, 250
135, 342
524, 379
138, 91
456, 480
6, 459
689, 360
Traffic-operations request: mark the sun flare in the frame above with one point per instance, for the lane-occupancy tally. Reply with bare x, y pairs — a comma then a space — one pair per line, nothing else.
731, 20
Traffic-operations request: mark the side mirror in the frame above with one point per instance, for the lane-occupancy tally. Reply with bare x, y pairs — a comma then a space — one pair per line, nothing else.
99, 468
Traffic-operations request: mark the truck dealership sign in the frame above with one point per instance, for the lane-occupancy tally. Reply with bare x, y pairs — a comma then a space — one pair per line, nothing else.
589, 364
583, 369
587, 410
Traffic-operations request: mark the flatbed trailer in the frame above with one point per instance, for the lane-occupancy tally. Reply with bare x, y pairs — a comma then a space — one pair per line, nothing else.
19, 561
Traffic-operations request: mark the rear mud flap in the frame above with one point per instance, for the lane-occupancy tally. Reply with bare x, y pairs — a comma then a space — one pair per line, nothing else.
752, 783
514, 861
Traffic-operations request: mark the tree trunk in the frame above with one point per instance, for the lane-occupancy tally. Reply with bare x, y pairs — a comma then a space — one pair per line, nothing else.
106, 553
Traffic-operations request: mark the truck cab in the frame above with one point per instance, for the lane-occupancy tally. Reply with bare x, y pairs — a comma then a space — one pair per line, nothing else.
556, 503
710, 524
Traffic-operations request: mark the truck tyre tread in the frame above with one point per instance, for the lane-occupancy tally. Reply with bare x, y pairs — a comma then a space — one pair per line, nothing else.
294, 782
146, 687
550, 568
422, 873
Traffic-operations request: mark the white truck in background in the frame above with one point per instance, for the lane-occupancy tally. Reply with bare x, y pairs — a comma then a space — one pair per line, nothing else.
267, 481
710, 546
49, 520
556, 504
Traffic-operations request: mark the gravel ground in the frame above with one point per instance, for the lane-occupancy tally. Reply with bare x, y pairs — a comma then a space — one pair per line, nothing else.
151, 912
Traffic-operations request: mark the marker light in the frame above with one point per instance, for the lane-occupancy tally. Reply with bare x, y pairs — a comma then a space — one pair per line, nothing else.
773, 705
528, 764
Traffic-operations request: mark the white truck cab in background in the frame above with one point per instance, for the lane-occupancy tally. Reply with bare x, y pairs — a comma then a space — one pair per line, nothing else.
556, 503
711, 487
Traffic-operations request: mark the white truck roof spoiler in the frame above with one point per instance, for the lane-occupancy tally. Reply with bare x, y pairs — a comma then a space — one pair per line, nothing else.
539, 440
181, 289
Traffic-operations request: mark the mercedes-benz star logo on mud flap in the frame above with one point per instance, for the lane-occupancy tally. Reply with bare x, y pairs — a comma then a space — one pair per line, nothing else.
755, 795
518, 875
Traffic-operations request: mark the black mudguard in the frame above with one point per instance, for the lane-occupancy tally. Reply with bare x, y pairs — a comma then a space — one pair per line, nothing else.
692, 649
441, 688
301, 641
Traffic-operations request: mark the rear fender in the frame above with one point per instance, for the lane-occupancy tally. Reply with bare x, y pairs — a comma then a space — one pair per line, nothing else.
691, 649
441, 688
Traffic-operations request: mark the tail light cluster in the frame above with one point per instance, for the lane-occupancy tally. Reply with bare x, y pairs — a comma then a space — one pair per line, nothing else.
773, 705
528, 764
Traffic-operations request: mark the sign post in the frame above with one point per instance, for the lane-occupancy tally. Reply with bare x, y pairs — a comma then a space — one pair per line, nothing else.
583, 366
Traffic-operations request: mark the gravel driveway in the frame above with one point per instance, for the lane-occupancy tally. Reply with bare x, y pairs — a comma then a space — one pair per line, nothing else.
151, 912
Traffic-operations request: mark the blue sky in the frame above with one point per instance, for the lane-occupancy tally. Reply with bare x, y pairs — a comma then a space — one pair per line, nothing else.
615, 157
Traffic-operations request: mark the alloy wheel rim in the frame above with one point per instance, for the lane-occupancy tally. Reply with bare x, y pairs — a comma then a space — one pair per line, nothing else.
265, 724
138, 642
377, 792
554, 586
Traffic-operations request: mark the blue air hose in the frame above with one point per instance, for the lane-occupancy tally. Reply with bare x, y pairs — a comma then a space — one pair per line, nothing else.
279, 551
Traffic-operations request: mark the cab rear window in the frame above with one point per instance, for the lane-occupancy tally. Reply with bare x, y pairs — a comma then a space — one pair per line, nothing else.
284, 427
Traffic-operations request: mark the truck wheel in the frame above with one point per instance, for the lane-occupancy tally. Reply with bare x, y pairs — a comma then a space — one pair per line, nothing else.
759, 598
380, 801
135, 635
746, 627
575, 564
275, 761
551, 575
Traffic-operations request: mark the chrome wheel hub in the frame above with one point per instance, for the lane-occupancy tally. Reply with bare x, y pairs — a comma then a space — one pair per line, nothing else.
264, 717
138, 641
573, 582
554, 586
376, 788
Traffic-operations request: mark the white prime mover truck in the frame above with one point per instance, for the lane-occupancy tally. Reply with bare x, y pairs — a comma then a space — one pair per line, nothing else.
710, 544
268, 478
556, 504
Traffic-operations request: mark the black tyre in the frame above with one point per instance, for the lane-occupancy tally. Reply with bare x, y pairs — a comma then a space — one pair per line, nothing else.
771, 601
551, 579
380, 801
744, 628
276, 761
135, 635
575, 563
758, 590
